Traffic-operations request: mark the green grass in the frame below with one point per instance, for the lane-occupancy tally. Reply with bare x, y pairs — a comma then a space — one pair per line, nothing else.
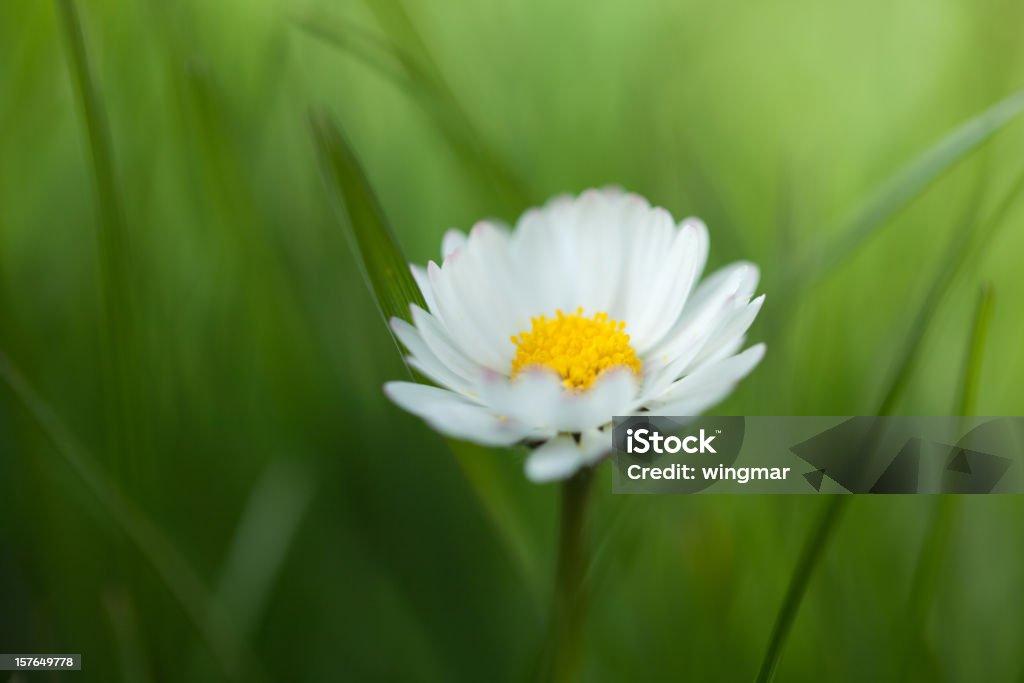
199, 474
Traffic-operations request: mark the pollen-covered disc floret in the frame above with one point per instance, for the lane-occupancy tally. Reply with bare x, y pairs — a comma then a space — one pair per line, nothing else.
577, 347
602, 298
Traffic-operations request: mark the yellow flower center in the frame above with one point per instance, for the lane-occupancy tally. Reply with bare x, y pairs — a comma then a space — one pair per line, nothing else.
578, 348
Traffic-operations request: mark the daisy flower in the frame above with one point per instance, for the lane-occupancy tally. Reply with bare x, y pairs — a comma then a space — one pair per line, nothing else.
589, 307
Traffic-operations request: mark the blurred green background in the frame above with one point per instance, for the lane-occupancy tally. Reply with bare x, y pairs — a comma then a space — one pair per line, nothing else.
200, 478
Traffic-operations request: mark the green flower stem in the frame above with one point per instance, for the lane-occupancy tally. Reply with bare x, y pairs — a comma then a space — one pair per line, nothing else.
568, 604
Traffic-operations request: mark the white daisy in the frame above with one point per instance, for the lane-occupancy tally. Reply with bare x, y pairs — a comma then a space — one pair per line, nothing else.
588, 308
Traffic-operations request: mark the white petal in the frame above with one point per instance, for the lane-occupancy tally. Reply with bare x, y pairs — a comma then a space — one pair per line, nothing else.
540, 400
735, 282
424, 360
569, 253
597, 249
543, 258
478, 299
557, 459
650, 236
464, 330
613, 393
453, 239
562, 456
422, 399
441, 345
451, 414
729, 333
713, 336
725, 291
532, 397
707, 385
423, 282
704, 245
487, 291
743, 274
673, 282
595, 444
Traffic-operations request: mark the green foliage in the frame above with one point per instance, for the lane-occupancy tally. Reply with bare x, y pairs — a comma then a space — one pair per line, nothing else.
199, 474
374, 245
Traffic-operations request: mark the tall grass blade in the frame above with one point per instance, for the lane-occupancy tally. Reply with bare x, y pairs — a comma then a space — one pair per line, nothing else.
380, 259
421, 79
967, 240
932, 558
394, 18
928, 570
112, 238
273, 514
111, 217
956, 254
813, 548
949, 264
268, 526
387, 274
900, 189
976, 352
366, 47
237, 662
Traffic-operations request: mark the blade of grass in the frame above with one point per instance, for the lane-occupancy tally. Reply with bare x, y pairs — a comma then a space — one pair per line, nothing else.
951, 261
393, 17
931, 559
907, 184
387, 275
966, 241
396, 22
272, 516
380, 259
237, 661
816, 541
425, 85
265, 532
924, 585
111, 218
976, 352
356, 41
112, 241
814, 547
